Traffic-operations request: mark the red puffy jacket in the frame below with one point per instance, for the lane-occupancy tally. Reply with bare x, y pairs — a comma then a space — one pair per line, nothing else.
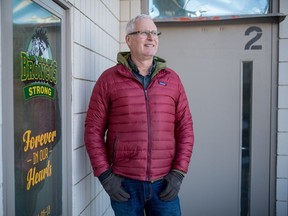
140, 134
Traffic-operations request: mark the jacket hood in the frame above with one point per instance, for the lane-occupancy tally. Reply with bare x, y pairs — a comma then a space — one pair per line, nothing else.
122, 58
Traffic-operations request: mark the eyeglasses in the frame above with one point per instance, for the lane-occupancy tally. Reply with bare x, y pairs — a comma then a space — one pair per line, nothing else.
145, 34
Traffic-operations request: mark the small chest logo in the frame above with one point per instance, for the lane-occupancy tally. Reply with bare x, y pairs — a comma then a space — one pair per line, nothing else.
162, 83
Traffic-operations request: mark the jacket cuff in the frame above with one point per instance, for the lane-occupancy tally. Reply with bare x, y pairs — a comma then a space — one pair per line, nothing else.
178, 171
105, 175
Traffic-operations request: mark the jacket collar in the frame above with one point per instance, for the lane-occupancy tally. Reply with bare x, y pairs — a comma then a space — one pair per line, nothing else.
158, 63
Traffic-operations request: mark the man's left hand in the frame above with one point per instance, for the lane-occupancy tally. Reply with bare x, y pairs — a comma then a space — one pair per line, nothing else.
174, 181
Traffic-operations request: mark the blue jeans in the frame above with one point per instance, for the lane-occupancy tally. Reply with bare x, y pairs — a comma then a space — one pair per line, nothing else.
145, 196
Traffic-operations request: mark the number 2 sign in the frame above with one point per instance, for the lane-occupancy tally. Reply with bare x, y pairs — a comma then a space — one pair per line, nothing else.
250, 45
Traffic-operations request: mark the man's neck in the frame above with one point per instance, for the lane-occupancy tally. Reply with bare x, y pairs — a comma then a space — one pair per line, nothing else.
143, 66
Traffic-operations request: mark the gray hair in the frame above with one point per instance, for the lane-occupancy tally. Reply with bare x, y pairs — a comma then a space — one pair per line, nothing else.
130, 27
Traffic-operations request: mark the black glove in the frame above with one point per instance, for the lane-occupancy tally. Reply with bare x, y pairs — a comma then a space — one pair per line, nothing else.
174, 180
112, 185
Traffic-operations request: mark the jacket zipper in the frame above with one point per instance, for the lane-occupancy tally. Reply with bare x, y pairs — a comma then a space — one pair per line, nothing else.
148, 125
149, 144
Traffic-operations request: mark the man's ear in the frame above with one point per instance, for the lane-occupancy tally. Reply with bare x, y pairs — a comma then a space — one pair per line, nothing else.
128, 39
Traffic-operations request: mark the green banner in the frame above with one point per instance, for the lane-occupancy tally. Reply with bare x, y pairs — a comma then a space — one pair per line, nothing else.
37, 89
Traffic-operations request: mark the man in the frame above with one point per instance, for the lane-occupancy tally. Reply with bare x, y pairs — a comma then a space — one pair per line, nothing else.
138, 129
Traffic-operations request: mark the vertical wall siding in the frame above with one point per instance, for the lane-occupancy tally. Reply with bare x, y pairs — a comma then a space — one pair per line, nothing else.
95, 44
98, 33
128, 10
282, 150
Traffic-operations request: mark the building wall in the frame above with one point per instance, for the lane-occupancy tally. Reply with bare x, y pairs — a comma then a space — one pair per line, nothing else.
98, 32
282, 150
94, 47
128, 10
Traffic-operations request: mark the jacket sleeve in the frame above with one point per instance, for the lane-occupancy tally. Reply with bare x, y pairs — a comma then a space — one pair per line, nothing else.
96, 126
184, 134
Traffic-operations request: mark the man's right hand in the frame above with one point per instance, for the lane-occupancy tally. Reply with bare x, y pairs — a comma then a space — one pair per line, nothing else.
113, 186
